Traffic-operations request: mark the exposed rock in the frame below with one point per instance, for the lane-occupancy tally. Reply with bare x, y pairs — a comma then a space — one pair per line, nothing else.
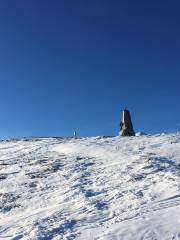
126, 127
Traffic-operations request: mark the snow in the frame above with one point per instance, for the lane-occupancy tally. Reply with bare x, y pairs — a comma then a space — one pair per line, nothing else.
140, 134
91, 188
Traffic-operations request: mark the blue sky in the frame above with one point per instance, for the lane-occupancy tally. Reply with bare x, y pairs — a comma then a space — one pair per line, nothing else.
74, 65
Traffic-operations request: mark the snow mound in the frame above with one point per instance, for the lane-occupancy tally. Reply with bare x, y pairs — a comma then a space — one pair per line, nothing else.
90, 188
140, 134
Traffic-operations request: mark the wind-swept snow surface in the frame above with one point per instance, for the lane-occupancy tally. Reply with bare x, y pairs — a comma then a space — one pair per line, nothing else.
124, 188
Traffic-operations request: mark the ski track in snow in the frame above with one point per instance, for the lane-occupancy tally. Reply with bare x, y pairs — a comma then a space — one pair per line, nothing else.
91, 188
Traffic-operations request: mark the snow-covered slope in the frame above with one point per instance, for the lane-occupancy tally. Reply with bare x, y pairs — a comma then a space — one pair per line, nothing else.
91, 188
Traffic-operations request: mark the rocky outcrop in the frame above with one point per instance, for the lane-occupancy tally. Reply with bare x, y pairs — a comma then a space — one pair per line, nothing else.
126, 127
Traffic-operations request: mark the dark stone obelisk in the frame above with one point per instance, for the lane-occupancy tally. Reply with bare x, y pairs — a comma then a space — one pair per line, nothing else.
126, 127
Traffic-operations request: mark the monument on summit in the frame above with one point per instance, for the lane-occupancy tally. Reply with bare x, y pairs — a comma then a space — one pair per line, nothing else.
126, 127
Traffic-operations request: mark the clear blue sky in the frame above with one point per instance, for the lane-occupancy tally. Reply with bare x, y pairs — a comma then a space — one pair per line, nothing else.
70, 65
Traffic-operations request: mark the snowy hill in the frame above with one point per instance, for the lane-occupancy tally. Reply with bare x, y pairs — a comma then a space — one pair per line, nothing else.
91, 188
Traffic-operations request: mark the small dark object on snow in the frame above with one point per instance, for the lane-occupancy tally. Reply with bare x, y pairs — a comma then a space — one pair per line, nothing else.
126, 127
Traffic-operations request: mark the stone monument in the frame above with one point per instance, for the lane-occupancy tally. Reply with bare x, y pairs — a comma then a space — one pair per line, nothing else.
126, 127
